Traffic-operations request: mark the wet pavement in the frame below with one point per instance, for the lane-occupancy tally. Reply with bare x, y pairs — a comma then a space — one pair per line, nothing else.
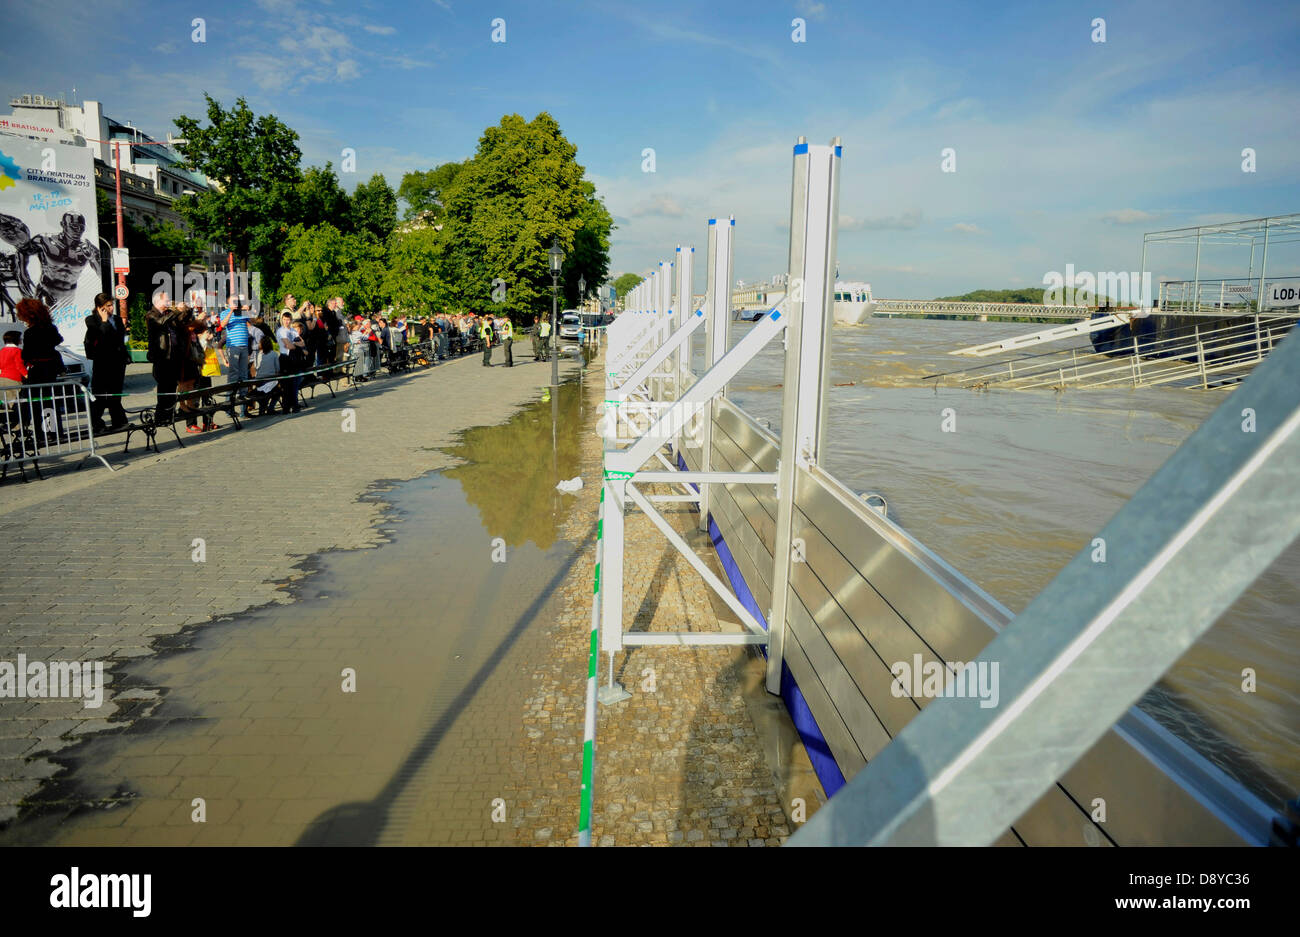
378, 700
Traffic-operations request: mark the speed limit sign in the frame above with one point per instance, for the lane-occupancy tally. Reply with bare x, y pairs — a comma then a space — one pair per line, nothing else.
119, 292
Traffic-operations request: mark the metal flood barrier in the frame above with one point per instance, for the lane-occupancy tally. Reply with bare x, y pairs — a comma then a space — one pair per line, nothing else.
841, 595
867, 594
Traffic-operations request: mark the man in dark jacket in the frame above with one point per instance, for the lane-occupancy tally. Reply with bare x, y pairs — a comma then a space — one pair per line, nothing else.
106, 347
167, 346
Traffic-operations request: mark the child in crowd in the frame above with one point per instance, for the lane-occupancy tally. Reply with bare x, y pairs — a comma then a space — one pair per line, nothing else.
269, 368
11, 357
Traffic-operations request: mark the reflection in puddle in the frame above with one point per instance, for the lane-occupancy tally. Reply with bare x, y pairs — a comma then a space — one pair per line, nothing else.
255, 731
512, 470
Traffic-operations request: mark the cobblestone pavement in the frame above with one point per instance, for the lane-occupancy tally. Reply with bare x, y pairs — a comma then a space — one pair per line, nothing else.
681, 763
99, 566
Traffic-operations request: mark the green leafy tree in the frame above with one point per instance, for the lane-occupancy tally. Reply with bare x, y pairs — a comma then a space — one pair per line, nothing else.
323, 261
313, 198
626, 283
412, 279
590, 258
374, 208
156, 247
422, 190
522, 187
317, 198
252, 159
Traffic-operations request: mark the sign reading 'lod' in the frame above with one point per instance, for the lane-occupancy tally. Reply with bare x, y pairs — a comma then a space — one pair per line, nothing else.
1282, 294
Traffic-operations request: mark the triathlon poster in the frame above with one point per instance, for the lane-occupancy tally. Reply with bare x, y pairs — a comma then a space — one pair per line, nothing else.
49, 238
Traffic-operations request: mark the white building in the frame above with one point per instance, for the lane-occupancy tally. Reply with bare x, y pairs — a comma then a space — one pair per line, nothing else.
152, 176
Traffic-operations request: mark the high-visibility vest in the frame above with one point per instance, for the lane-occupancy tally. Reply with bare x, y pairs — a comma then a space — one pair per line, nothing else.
545, 328
508, 330
485, 331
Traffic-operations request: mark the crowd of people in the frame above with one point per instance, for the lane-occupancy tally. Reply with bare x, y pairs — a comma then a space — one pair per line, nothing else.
188, 348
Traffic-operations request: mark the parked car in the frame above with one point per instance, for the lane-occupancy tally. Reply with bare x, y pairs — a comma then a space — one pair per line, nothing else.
570, 325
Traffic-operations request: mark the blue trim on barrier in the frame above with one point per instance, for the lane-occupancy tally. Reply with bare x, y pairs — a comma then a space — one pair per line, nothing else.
800, 148
819, 753
713, 221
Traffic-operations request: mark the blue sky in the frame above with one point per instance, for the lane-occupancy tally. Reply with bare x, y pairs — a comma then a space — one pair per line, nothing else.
1067, 150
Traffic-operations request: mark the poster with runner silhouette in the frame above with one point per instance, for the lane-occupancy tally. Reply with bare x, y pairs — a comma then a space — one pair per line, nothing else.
49, 238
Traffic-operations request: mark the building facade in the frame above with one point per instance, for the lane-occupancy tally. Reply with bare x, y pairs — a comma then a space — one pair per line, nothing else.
152, 175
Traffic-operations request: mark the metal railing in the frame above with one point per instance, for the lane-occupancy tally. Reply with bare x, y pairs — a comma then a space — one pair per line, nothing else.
1225, 296
1202, 354
39, 421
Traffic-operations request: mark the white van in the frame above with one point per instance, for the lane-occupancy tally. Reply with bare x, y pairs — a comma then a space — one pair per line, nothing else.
570, 325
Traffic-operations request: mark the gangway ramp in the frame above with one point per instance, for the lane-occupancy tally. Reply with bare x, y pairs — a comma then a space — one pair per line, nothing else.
1055, 334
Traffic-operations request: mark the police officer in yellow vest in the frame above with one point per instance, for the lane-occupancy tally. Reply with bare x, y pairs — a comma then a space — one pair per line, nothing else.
544, 330
485, 331
508, 338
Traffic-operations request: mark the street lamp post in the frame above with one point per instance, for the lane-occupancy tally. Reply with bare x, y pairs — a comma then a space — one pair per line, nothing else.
582, 307
121, 239
556, 256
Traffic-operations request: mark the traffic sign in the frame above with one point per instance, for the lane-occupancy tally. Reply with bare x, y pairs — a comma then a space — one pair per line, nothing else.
119, 292
121, 260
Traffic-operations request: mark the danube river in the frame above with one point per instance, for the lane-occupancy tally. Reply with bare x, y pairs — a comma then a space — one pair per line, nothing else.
1023, 485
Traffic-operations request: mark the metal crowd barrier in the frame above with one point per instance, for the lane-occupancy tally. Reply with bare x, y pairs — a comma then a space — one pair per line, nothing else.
39, 421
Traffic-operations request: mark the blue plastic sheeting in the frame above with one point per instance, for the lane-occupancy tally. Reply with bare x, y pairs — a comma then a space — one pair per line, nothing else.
819, 753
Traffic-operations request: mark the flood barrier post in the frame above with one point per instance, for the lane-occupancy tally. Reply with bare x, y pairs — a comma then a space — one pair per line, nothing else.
682, 308
717, 300
814, 220
589, 720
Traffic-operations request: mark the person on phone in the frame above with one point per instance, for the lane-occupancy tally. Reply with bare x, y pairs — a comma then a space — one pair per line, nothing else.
106, 348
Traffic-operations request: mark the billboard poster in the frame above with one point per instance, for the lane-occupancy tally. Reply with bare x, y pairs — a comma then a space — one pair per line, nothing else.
49, 237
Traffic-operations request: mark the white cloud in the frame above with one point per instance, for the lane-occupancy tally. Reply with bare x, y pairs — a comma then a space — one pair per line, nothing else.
962, 227
659, 204
1128, 216
902, 222
380, 30
811, 8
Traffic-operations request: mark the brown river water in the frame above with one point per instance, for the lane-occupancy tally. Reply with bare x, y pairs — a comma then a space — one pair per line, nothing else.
1024, 484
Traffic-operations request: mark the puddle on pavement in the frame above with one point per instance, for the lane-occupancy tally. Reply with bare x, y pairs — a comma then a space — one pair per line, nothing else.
443, 642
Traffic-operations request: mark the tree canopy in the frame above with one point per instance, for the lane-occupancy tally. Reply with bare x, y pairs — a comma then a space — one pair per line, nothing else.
422, 190
477, 234
323, 261
374, 208
252, 158
626, 283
